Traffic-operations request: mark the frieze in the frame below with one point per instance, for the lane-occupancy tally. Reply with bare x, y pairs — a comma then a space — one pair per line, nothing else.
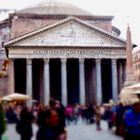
67, 53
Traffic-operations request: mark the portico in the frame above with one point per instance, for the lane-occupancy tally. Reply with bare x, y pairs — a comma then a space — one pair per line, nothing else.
70, 61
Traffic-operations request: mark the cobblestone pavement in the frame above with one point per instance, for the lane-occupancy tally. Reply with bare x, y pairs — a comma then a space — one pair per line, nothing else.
80, 131
88, 132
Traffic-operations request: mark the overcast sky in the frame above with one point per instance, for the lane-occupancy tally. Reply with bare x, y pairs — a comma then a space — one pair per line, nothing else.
125, 12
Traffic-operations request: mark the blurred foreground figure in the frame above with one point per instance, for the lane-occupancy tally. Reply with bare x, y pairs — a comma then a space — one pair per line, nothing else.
98, 116
132, 123
24, 125
2, 121
48, 130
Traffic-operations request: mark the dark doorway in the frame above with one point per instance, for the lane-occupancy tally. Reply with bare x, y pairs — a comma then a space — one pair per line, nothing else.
90, 80
20, 75
55, 79
37, 66
106, 80
73, 81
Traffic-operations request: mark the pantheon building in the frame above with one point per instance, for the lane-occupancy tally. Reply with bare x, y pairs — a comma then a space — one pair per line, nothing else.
60, 51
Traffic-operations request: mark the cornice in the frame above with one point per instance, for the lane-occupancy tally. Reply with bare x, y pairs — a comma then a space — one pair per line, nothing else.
115, 29
60, 17
66, 47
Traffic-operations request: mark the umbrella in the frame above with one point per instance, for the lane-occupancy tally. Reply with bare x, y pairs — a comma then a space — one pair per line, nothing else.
135, 89
130, 93
135, 86
17, 97
5, 99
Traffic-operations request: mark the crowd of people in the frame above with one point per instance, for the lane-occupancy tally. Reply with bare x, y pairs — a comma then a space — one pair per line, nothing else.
53, 119
125, 118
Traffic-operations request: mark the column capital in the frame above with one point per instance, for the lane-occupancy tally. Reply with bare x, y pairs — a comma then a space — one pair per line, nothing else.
81, 60
29, 61
10, 59
46, 60
63, 60
114, 61
98, 61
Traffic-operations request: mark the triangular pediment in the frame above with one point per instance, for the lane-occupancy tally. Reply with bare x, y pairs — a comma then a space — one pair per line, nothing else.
69, 32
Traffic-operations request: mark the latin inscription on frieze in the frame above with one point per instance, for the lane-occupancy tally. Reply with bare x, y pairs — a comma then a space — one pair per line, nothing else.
75, 53
67, 53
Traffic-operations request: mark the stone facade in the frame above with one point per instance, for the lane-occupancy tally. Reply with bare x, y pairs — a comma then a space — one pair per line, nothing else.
136, 64
28, 24
74, 58
4, 37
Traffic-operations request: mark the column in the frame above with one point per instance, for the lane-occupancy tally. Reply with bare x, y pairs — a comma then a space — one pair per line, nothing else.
120, 76
11, 79
98, 82
114, 80
124, 71
29, 77
46, 82
82, 81
41, 83
93, 83
64, 97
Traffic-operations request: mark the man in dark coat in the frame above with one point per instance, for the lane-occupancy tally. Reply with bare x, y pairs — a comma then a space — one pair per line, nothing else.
48, 130
26, 118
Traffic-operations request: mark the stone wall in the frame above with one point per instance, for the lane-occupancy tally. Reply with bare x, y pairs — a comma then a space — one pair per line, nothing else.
4, 37
4, 34
3, 86
28, 25
21, 26
105, 25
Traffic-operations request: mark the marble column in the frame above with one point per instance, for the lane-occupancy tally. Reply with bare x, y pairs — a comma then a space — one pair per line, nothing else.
124, 71
41, 83
120, 76
46, 82
11, 79
93, 83
114, 80
82, 81
64, 97
29, 77
98, 82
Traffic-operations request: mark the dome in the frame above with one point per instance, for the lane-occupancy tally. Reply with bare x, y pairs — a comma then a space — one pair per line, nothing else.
54, 7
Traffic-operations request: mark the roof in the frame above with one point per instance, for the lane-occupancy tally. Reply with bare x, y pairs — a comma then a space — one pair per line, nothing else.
38, 31
54, 7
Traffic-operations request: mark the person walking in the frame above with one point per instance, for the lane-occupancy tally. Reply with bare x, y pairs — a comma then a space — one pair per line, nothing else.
98, 117
132, 123
48, 130
24, 125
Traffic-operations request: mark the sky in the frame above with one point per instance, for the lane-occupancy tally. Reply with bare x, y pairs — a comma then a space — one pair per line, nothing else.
125, 12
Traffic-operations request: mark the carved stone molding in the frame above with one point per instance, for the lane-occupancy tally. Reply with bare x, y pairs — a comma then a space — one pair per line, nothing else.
113, 61
81, 60
63, 60
98, 61
29, 61
46, 60
65, 52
